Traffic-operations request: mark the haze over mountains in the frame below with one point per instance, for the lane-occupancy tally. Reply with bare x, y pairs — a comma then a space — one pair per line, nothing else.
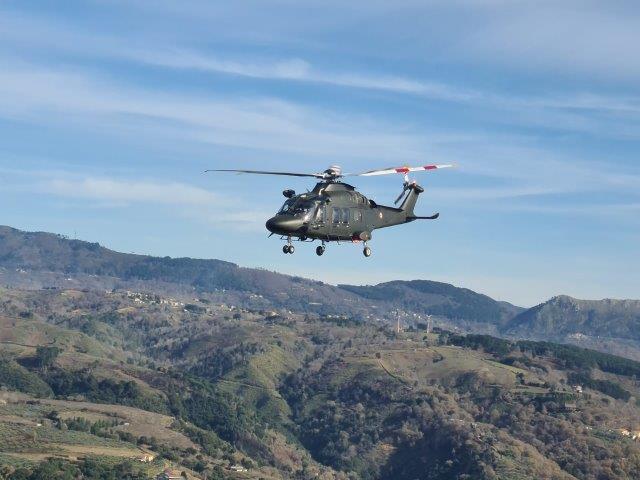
55, 261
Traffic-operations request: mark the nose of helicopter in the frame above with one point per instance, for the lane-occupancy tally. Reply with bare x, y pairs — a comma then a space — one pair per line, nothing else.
284, 225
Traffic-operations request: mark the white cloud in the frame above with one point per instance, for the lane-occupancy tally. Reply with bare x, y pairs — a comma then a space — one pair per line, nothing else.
58, 37
300, 70
264, 123
177, 199
586, 37
125, 191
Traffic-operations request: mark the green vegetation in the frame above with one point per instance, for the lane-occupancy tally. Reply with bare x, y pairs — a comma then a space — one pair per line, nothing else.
298, 392
83, 382
607, 387
89, 469
15, 377
488, 343
582, 358
46, 356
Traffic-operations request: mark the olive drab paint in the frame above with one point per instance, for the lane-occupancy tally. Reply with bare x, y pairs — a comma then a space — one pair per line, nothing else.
335, 212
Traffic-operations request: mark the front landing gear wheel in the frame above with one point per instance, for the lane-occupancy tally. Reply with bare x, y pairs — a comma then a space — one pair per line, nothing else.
366, 252
320, 250
288, 249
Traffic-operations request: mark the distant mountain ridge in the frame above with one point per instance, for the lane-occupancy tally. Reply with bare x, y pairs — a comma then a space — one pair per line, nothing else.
438, 298
564, 315
40, 260
47, 252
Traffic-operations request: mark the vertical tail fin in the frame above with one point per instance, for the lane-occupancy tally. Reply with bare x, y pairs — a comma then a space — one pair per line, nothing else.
409, 202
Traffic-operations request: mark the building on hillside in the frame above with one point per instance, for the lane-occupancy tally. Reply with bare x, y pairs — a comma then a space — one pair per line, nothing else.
238, 468
146, 458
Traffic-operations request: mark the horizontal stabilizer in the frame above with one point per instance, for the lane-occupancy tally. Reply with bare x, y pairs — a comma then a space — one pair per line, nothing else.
413, 217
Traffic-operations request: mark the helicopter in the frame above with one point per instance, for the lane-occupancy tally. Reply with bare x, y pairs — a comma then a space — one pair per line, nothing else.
335, 212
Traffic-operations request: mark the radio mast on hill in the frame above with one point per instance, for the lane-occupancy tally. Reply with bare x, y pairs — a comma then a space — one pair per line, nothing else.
398, 327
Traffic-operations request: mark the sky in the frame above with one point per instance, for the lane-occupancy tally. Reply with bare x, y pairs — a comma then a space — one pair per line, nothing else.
110, 111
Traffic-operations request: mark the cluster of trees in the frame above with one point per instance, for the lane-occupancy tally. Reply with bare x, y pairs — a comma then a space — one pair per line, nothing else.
582, 358
210, 409
81, 424
89, 469
46, 356
83, 382
607, 387
554, 434
497, 346
15, 377
425, 437
218, 362
569, 356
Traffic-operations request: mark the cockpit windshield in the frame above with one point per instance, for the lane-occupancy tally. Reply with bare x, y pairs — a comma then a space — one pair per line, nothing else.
298, 207
287, 206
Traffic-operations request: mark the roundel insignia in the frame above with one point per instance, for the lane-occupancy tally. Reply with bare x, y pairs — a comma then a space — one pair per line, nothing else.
380, 214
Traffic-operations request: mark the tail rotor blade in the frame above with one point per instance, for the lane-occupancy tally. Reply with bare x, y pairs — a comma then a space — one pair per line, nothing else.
402, 194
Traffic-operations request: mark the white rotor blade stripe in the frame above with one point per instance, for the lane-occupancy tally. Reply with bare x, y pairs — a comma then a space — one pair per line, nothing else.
389, 171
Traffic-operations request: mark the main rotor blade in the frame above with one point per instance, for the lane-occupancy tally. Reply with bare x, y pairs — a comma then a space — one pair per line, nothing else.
402, 170
262, 172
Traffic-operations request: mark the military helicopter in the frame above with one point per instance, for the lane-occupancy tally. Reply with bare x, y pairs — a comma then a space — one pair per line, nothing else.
335, 212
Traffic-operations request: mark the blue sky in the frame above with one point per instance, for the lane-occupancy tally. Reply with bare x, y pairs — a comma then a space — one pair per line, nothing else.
111, 110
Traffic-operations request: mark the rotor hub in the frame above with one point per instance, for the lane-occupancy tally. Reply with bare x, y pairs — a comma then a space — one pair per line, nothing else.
332, 173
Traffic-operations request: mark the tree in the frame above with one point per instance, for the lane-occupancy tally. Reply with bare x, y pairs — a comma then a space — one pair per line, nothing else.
46, 356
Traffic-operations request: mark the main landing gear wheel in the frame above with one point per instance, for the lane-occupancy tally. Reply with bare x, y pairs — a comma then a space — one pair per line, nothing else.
366, 252
288, 249
320, 250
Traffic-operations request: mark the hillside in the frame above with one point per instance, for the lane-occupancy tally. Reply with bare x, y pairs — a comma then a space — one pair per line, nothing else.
200, 387
52, 260
440, 299
612, 325
37, 260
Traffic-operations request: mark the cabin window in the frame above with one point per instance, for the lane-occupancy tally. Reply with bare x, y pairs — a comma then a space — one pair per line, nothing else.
336, 214
340, 216
345, 215
357, 216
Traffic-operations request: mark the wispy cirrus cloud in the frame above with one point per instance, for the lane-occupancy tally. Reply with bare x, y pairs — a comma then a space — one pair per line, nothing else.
35, 94
545, 109
128, 192
44, 95
175, 198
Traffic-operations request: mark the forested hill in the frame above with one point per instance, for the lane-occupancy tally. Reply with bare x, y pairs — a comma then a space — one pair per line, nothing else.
566, 316
120, 385
46, 252
44, 260
437, 298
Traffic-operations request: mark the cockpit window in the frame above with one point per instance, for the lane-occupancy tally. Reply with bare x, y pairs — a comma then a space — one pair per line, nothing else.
287, 205
297, 206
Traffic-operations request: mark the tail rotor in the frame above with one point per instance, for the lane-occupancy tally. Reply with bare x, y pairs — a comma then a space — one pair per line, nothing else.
405, 188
